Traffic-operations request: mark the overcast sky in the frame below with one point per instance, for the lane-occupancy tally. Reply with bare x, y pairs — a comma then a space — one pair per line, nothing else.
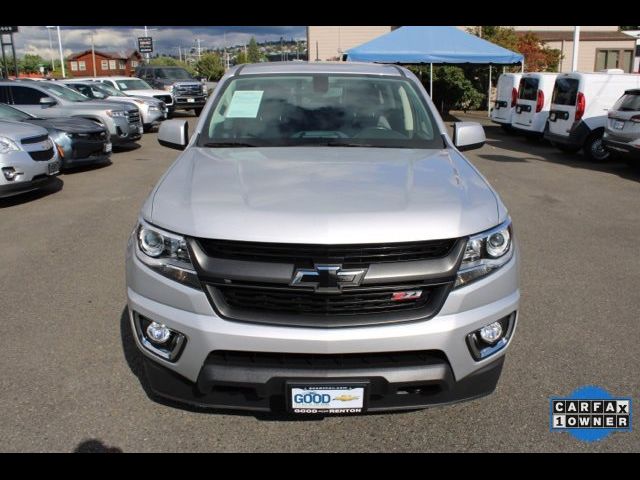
166, 39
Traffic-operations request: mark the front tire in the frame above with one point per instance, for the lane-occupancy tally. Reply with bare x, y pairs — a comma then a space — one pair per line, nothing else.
594, 148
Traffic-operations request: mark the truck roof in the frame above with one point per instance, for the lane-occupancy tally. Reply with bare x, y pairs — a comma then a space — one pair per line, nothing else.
320, 67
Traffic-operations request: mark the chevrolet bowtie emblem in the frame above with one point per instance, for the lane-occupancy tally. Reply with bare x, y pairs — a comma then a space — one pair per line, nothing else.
327, 277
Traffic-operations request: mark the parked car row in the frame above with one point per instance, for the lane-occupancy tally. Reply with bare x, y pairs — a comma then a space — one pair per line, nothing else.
596, 112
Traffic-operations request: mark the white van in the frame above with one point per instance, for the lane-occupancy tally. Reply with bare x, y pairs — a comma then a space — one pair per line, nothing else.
534, 101
506, 97
579, 106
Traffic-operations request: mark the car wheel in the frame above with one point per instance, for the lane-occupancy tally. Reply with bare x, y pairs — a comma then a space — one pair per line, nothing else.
594, 148
197, 111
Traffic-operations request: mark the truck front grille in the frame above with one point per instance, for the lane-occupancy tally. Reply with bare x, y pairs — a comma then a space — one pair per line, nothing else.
165, 98
254, 282
191, 90
351, 302
133, 116
308, 254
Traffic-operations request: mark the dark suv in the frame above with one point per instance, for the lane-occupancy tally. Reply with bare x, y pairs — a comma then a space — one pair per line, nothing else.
188, 92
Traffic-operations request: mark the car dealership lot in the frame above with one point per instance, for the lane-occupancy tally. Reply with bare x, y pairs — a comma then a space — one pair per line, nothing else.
69, 384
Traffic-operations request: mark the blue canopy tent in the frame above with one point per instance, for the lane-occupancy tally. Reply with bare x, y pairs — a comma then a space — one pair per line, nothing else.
433, 44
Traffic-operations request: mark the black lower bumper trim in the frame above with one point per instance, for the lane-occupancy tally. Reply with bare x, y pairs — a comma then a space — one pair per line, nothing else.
10, 189
622, 148
270, 396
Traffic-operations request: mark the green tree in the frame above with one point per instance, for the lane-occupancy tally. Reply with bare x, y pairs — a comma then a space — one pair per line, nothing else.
31, 63
452, 89
241, 58
165, 61
210, 66
253, 52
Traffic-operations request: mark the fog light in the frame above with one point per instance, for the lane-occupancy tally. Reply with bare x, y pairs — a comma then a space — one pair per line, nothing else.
491, 338
158, 333
491, 333
10, 173
159, 339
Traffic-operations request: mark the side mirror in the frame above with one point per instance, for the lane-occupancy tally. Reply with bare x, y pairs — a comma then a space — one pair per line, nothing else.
468, 135
174, 134
47, 102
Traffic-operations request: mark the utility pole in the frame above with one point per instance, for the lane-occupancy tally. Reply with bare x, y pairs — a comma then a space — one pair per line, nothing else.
199, 49
146, 34
180, 52
93, 56
64, 75
576, 44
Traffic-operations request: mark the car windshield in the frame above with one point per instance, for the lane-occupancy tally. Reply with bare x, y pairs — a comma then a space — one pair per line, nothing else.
63, 92
108, 90
174, 74
320, 110
10, 113
133, 84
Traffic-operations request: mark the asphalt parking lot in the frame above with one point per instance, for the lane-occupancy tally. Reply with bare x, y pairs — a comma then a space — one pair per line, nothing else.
71, 378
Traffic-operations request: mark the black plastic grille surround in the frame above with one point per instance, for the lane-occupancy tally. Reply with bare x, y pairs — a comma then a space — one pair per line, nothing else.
31, 140
308, 254
313, 361
42, 155
349, 302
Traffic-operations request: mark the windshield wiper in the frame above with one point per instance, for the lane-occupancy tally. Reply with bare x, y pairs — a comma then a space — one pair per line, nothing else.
348, 144
228, 144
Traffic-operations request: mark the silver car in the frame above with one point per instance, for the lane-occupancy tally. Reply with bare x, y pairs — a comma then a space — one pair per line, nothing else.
28, 159
622, 133
48, 99
322, 246
152, 110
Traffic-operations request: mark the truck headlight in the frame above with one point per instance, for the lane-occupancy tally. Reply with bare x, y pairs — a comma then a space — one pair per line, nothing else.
166, 253
168, 88
486, 252
7, 145
117, 113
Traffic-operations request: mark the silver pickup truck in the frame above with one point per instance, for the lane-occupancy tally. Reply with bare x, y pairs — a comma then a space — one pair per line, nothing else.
48, 100
322, 246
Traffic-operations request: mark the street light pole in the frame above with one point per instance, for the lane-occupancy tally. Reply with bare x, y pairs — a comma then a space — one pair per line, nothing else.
61, 56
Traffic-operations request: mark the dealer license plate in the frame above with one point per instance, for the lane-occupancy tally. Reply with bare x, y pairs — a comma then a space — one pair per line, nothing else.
618, 125
191, 100
107, 147
326, 399
53, 168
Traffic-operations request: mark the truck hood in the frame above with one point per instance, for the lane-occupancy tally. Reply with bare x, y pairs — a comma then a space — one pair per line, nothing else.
325, 195
69, 125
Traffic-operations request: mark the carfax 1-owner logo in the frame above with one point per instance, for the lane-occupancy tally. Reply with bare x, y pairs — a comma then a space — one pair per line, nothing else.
590, 414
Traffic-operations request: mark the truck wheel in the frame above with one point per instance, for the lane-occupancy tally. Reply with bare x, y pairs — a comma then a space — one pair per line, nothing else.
197, 111
565, 148
594, 148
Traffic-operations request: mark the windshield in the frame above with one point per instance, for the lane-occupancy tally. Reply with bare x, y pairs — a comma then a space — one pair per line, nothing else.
63, 92
174, 74
10, 113
133, 84
107, 89
322, 110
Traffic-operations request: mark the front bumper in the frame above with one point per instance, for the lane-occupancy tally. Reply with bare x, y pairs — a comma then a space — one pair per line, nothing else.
187, 103
33, 174
188, 311
126, 132
154, 117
